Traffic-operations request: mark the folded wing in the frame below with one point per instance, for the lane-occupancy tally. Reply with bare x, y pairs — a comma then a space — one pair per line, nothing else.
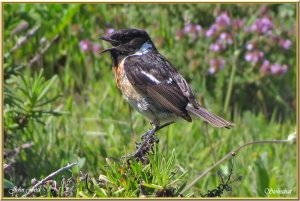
151, 76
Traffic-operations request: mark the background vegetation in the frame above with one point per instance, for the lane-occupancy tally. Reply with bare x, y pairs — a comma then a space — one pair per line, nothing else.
61, 104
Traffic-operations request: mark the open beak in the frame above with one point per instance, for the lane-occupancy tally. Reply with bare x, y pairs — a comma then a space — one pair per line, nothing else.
108, 50
108, 39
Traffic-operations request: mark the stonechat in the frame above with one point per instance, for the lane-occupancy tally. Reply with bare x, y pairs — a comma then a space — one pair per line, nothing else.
150, 83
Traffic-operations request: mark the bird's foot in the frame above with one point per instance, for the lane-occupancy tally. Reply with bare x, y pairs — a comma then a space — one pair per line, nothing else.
145, 135
146, 145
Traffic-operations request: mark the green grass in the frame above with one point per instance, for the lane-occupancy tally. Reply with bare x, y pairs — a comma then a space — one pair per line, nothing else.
72, 110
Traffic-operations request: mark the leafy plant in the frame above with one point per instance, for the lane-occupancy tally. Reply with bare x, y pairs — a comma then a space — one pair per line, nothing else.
133, 179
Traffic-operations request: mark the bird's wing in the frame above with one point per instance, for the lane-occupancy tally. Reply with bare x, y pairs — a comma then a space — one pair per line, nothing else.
150, 74
186, 89
180, 81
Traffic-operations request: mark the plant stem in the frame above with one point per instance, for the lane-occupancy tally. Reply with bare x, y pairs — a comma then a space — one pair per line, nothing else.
231, 82
229, 155
212, 150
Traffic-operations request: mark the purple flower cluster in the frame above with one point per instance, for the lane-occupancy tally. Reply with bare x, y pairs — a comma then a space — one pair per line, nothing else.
250, 45
254, 56
222, 38
223, 23
223, 20
285, 44
87, 46
217, 47
215, 65
237, 24
218, 31
274, 69
190, 29
226, 30
212, 31
225, 39
262, 26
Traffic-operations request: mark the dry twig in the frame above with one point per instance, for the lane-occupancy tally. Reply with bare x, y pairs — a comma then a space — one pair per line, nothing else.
50, 176
43, 51
24, 39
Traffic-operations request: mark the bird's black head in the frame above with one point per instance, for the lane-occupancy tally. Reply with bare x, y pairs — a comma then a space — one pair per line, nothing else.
126, 41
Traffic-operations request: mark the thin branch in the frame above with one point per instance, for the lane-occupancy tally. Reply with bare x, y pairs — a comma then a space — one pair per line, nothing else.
233, 153
17, 150
43, 51
50, 176
6, 166
24, 39
20, 27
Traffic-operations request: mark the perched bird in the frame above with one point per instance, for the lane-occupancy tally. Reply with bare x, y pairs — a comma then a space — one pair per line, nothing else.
150, 83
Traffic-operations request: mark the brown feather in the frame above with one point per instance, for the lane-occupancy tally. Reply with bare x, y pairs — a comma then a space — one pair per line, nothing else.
170, 99
209, 117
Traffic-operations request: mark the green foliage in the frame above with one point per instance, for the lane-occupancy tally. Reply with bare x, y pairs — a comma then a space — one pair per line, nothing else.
126, 178
65, 107
30, 98
133, 179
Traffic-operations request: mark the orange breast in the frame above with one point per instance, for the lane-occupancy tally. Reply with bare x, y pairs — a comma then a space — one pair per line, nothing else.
123, 83
118, 72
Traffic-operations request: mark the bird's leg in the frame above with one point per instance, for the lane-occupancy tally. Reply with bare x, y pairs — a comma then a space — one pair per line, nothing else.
154, 124
156, 128
140, 149
147, 137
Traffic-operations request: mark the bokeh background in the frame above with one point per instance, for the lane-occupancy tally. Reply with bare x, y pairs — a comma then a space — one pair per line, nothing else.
61, 104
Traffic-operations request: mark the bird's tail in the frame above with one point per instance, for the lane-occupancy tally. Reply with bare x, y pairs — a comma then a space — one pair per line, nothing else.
209, 117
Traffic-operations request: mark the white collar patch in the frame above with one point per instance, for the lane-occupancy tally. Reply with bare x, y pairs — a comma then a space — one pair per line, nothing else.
146, 47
